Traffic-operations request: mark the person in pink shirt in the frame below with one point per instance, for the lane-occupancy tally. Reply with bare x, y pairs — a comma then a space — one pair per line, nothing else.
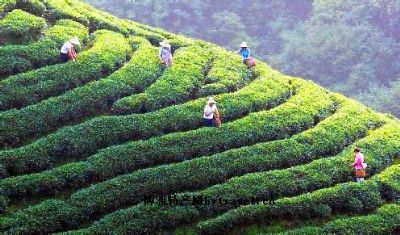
359, 165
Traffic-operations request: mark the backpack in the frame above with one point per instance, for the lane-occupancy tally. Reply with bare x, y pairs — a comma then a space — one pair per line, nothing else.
250, 62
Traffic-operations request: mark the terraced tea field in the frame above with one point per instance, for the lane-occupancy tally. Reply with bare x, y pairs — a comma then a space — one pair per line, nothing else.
115, 143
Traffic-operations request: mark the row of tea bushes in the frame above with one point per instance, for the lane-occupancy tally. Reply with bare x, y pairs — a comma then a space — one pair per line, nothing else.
384, 221
390, 181
177, 84
35, 7
46, 51
108, 53
95, 19
303, 206
335, 198
6, 5
92, 98
174, 147
60, 9
20, 27
297, 114
86, 138
226, 75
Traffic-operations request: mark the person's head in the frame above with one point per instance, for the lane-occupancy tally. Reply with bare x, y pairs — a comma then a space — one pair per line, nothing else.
165, 43
211, 101
243, 45
75, 41
356, 151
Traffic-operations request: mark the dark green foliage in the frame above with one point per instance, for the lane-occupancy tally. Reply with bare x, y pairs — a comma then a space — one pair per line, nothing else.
6, 5
390, 180
95, 20
108, 53
351, 46
384, 221
27, 88
248, 159
193, 174
227, 74
35, 7
171, 148
338, 197
60, 9
308, 205
90, 136
178, 83
92, 98
20, 27
73, 156
46, 51
3, 204
308, 230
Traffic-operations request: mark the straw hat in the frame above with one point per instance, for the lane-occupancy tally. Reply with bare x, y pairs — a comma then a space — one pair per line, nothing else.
243, 44
165, 43
211, 101
75, 41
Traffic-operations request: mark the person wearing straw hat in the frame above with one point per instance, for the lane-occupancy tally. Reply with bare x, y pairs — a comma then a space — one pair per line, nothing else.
209, 110
246, 55
165, 54
68, 50
244, 51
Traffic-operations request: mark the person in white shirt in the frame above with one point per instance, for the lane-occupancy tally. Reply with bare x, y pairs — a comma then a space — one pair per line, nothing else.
209, 110
165, 53
68, 50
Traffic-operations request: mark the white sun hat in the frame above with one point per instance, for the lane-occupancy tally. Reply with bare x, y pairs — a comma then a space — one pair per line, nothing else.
211, 101
165, 43
75, 41
243, 44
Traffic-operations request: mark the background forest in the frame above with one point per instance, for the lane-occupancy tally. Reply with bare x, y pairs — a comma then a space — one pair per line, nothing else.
349, 46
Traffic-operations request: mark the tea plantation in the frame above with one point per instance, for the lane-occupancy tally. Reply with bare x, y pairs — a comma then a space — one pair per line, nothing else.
114, 143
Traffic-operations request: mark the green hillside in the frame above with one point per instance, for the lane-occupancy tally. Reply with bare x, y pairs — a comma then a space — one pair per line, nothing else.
85, 147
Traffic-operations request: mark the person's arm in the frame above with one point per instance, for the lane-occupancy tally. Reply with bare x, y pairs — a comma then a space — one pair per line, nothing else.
74, 54
71, 54
358, 160
355, 161
207, 111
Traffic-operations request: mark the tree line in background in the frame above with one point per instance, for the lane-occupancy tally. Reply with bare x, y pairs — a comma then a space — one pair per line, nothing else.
349, 46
